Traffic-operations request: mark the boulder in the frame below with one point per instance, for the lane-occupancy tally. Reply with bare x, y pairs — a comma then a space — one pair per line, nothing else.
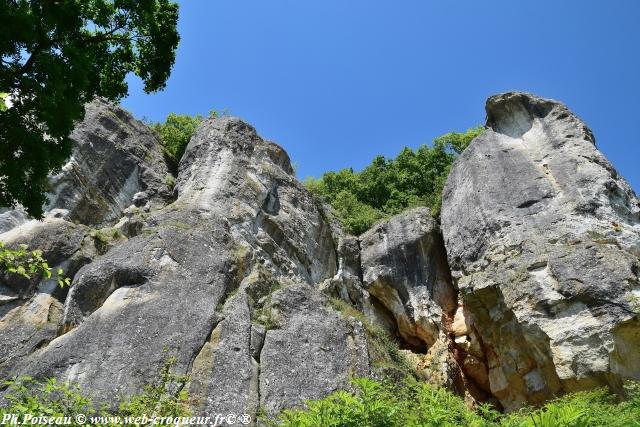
543, 240
404, 266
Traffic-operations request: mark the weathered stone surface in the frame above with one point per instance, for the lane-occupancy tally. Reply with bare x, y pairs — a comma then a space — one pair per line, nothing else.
240, 277
404, 266
30, 311
146, 300
230, 171
10, 218
242, 225
543, 238
225, 372
115, 158
311, 353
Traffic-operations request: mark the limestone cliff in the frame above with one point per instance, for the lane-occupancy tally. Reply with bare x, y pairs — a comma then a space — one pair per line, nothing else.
242, 276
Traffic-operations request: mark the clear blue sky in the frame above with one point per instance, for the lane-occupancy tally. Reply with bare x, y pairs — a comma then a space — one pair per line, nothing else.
337, 82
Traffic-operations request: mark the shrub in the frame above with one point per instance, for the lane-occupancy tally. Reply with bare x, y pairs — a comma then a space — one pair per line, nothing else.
376, 404
50, 398
171, 182
175, 134
371, 403
167, 397
28, 397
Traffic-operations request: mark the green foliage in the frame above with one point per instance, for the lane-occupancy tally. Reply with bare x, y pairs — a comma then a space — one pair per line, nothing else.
168, 396
356, 216
590, 408
50, 398
59, 55
105, 238
171, 182
27, 397
370, 403
383, 350
263, 315
3, 104
417, 404
389, 186
175, 134
28, 264
384, 405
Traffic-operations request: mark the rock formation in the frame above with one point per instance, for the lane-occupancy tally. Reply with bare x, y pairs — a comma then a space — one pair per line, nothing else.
223, 279
543, 238
405, 268
248, 282
116, 160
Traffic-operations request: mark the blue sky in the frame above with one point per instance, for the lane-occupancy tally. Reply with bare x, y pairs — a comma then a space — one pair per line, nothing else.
336, 82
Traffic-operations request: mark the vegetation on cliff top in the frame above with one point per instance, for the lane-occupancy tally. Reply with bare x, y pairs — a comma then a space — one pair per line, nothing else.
360, 199
389, 186
175, 133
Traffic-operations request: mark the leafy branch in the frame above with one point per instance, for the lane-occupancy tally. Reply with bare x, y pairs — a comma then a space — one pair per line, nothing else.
28, 264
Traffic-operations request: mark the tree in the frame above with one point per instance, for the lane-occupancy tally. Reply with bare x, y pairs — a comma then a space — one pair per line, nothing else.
55, 57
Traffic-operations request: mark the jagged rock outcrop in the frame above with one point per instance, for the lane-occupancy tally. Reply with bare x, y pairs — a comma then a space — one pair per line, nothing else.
223, 279
543, 238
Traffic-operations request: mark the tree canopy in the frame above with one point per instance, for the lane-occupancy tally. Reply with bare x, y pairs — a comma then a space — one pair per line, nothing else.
389, 186
55, 57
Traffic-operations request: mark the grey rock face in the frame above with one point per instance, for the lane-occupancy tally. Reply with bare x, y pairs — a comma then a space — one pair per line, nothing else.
225, 371
242, 225
311, 353
404, 266
147, 299
251, 285
543, 238
10, 218
30, 311
115, 158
